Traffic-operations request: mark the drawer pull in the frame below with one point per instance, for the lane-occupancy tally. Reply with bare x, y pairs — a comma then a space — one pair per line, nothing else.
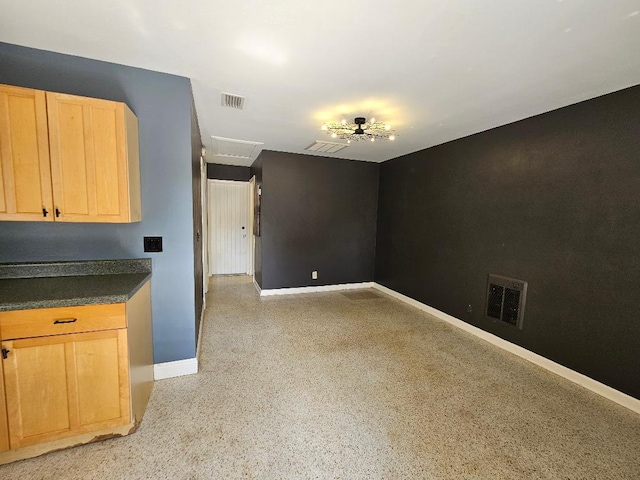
70, 320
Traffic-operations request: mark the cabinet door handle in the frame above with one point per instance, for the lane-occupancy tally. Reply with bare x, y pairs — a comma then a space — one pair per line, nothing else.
57, 212
5, 353
67, 320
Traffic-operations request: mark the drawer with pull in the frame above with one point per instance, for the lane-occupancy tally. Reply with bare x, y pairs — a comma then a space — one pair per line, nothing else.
60, 320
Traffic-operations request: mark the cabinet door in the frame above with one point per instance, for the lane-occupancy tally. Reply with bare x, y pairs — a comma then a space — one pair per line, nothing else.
90, 166
63, 385
4, 429
25, 178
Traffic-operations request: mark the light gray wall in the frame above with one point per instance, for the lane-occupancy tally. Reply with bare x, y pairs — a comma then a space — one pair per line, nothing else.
162, 104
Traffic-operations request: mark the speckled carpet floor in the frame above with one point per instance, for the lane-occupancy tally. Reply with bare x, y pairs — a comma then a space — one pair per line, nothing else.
355, 385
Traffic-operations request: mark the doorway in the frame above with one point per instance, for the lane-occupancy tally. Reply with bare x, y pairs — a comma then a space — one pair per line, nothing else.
229, 228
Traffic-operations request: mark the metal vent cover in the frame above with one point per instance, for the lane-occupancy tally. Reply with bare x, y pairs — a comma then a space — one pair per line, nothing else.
506, 299
232, 101
326, 147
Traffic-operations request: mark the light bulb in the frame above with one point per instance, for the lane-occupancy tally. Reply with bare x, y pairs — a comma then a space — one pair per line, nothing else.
344, 122
373, 139
348, 141
372, 120
392, 137
334, 135
323, 127
387, 127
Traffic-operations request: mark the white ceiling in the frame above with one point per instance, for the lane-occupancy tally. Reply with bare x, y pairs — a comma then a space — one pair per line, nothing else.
436, 70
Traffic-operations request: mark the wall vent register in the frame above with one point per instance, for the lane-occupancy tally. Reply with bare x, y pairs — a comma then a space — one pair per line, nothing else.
506, 299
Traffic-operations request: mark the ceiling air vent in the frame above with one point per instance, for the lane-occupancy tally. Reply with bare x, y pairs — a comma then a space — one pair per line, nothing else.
505, 299
230, 151
232, 101
326, 147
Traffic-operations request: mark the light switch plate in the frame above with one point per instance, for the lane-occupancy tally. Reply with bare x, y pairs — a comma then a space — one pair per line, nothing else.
152, 244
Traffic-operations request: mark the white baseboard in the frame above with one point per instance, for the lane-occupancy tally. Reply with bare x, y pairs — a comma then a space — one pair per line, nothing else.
571, 375
178, 368
257, 286
321, 288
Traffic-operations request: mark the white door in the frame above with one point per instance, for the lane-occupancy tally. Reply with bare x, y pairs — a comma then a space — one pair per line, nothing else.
228, 226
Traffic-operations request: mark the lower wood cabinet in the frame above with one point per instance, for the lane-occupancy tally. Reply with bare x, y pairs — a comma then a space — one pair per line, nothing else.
62, 385
62, 389
4, 430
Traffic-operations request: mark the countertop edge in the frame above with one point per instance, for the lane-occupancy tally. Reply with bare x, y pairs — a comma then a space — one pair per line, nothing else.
73, 268
75, 301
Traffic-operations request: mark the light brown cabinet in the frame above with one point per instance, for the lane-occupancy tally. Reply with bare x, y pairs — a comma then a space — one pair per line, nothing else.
64, 385
25, 171
72, 374
4, 429
67, 158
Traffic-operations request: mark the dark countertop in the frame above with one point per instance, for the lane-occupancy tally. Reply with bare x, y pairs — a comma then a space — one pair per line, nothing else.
96, 284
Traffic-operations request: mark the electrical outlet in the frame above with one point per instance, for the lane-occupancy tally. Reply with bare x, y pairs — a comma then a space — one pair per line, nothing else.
314, 275
469, 308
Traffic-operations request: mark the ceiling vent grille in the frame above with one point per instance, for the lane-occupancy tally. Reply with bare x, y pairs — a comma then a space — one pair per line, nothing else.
229, 149
232, 101
326, 147
505, 299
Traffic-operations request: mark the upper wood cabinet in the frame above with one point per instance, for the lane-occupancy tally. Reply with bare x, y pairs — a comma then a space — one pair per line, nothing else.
67, 158
94, 159
25, 174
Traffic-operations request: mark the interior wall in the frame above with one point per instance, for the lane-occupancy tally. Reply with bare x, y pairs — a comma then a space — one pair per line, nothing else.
552, 200
198, 225
318, 213
162, 105
216, 171
256, 170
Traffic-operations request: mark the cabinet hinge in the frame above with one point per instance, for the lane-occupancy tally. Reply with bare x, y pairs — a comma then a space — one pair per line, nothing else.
5, 353
57, 212
44, 212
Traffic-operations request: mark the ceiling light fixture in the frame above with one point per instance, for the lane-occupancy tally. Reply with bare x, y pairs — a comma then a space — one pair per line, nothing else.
360, 129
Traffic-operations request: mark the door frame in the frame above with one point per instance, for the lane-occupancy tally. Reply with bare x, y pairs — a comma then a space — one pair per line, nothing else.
204, 198
251, 270
250, 240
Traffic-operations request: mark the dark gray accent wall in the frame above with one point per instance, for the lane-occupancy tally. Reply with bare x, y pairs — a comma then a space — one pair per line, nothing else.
256, 170
216, 171
162, 105
553, 200
318, 213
